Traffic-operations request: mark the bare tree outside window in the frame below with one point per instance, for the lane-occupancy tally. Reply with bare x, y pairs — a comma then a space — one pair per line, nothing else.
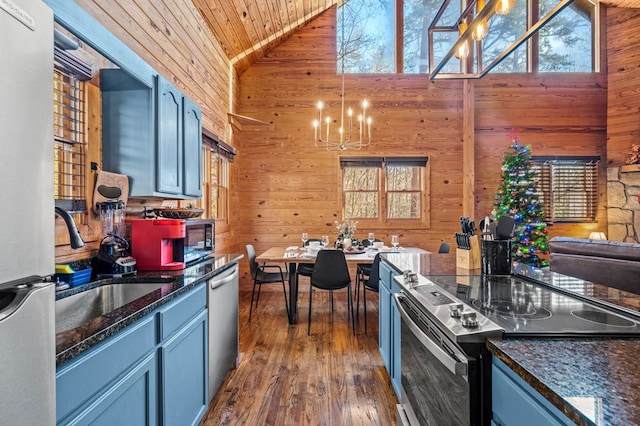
389, 189
404, 186
565, 44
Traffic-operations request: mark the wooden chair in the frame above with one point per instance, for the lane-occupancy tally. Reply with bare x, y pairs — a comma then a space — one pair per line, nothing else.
261, 276
330, 272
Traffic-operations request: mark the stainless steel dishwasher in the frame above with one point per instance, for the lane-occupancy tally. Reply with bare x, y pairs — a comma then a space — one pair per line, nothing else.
222, 303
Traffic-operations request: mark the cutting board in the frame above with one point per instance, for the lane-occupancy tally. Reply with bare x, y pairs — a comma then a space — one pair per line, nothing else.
110, 187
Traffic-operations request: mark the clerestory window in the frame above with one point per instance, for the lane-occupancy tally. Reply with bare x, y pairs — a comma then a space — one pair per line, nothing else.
373, 43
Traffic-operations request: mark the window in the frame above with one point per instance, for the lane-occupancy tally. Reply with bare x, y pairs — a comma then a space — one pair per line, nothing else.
384, 188
566, 44
568, 187
219, 187
70, 143
216, 158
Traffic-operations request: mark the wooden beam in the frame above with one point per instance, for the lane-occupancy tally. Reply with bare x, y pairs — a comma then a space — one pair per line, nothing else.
468, 149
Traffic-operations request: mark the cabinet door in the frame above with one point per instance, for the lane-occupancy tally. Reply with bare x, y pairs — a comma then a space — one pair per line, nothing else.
192, 145
131, 401
169, 153
184, 371
395, 342
385, 327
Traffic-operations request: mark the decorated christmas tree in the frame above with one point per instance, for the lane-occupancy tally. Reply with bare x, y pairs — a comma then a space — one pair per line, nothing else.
517, 197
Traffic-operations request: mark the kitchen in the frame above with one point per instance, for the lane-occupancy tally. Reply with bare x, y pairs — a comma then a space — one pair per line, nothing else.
218, 89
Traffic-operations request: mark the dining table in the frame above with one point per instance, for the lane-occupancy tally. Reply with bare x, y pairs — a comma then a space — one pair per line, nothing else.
292, 256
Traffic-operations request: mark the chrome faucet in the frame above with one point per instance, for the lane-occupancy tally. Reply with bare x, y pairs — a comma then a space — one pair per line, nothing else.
74, 235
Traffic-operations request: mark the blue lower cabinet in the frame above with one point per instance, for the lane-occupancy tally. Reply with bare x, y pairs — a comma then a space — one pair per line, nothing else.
384, 338
130, 401
151, 372
515, 402
389, 318
184, 374
395, 342
84, 382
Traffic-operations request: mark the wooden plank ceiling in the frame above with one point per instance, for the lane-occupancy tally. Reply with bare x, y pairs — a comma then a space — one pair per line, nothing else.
248, 29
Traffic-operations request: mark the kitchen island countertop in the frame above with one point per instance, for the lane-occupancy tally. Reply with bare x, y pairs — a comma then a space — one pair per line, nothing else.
71, 343
592, 381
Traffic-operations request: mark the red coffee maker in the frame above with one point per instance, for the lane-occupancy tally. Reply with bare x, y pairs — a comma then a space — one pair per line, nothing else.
158, 244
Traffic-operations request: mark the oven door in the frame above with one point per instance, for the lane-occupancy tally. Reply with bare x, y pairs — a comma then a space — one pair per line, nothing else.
440, 383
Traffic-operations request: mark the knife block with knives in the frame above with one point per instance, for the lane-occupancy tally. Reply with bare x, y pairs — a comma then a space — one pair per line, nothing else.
467, 251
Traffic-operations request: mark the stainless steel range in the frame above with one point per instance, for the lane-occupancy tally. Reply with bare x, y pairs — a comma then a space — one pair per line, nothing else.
445, 366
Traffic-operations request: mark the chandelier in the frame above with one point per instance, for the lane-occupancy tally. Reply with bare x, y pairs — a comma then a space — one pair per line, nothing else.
347, 137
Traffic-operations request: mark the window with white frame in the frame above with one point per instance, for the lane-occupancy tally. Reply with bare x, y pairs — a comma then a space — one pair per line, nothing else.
568, 187
384, 188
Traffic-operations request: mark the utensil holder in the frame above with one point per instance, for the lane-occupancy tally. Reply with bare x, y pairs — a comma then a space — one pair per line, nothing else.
469, 258
496, 257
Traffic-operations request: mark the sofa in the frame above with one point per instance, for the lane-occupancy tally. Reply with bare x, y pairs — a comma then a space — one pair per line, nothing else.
610, 263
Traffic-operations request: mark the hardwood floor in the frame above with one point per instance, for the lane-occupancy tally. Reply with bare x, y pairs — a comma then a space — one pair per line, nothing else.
285, 377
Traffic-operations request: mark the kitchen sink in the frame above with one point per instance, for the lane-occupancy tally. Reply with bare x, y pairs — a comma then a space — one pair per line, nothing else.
81, 308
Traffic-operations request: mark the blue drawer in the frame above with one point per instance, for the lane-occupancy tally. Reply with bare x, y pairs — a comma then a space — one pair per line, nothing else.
176, 314
79, 380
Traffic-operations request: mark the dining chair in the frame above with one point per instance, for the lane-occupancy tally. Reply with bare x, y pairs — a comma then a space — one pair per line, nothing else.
261, 275
444, 248
331, 272
363, 270
306, 269
371, 283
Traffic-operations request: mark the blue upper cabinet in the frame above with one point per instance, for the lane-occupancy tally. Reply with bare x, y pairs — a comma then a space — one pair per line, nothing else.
192, 145
151, 131
169, 144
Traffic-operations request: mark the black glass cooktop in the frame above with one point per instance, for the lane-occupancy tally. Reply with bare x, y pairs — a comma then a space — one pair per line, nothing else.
523, 307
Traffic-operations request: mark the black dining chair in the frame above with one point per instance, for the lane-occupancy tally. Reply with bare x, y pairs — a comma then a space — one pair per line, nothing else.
306, 269
331, 272
371, 283
444, 248
363, 270
261, 276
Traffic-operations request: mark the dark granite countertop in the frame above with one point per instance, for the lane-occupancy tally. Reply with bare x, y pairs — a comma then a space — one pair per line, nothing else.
70, 343
592, 381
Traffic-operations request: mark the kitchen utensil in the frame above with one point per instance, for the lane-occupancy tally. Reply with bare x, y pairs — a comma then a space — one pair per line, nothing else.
506, 226
110, 187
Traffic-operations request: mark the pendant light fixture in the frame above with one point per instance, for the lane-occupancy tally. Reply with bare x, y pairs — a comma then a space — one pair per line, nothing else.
347, 136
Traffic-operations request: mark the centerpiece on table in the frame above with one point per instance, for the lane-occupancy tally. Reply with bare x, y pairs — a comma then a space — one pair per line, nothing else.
346, 230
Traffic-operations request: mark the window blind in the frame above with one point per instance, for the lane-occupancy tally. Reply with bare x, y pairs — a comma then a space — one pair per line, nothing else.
568, 187
70, 142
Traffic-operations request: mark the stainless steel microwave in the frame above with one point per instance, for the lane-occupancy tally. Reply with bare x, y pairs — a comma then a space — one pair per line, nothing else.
199, 239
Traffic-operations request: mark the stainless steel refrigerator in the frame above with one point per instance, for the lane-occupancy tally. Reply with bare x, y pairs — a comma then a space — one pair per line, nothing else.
27, 336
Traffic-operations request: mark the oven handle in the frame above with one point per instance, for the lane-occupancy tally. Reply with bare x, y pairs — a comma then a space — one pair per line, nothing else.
455, 366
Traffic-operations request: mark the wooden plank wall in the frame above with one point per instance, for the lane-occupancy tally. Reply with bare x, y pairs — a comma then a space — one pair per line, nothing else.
623, 113
288, 186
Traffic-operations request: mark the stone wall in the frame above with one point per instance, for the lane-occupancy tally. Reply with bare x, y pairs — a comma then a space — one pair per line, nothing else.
623, 203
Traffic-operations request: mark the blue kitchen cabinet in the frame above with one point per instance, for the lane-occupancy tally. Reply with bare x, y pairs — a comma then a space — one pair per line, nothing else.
151, 372
92, 385
389, 325
184, 374
192, 146
515, 402
179, 142
169, 137
151, 132
396, 379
